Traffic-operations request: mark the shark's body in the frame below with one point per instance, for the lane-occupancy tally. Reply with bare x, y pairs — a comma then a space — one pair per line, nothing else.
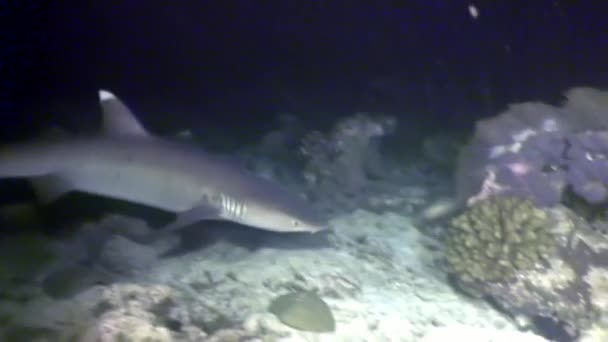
130, 164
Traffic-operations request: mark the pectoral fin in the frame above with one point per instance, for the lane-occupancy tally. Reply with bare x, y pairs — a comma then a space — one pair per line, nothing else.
191, 216
49, 188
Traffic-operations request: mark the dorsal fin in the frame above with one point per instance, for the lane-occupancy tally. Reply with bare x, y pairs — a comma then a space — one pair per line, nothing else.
118, 118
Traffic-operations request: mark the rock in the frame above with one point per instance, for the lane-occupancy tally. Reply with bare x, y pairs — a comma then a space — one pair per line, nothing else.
304, 311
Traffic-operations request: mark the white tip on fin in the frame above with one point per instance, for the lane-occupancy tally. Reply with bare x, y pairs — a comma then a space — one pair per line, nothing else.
105, 95
118, 118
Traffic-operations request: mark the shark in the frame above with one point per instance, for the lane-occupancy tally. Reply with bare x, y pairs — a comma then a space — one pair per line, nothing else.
127, 162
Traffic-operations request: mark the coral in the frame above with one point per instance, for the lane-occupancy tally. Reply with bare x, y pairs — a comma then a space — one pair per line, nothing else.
507, 131
442, 150
498, 237
341, 164
588, 108
537, 151
342, 156
520, 146
587, 171
566, 291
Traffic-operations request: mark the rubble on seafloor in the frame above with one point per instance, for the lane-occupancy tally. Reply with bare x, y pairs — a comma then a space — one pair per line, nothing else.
376, 273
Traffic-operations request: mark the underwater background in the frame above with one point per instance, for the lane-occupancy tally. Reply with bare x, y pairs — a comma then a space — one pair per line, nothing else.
458, 148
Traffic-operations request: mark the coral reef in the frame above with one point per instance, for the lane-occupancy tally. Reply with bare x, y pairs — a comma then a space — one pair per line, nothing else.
380, 274
557, 159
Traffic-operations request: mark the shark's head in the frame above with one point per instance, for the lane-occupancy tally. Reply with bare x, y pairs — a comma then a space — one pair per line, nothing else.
270, 218
284, 218
273, 209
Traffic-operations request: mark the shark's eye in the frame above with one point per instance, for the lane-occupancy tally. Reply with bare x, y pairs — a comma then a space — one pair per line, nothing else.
295, 223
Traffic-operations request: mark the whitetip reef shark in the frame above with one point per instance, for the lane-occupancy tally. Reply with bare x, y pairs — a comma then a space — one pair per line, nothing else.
126, 162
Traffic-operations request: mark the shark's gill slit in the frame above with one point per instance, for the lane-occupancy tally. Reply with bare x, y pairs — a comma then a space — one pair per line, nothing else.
230, 207
237, 210
224, 203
